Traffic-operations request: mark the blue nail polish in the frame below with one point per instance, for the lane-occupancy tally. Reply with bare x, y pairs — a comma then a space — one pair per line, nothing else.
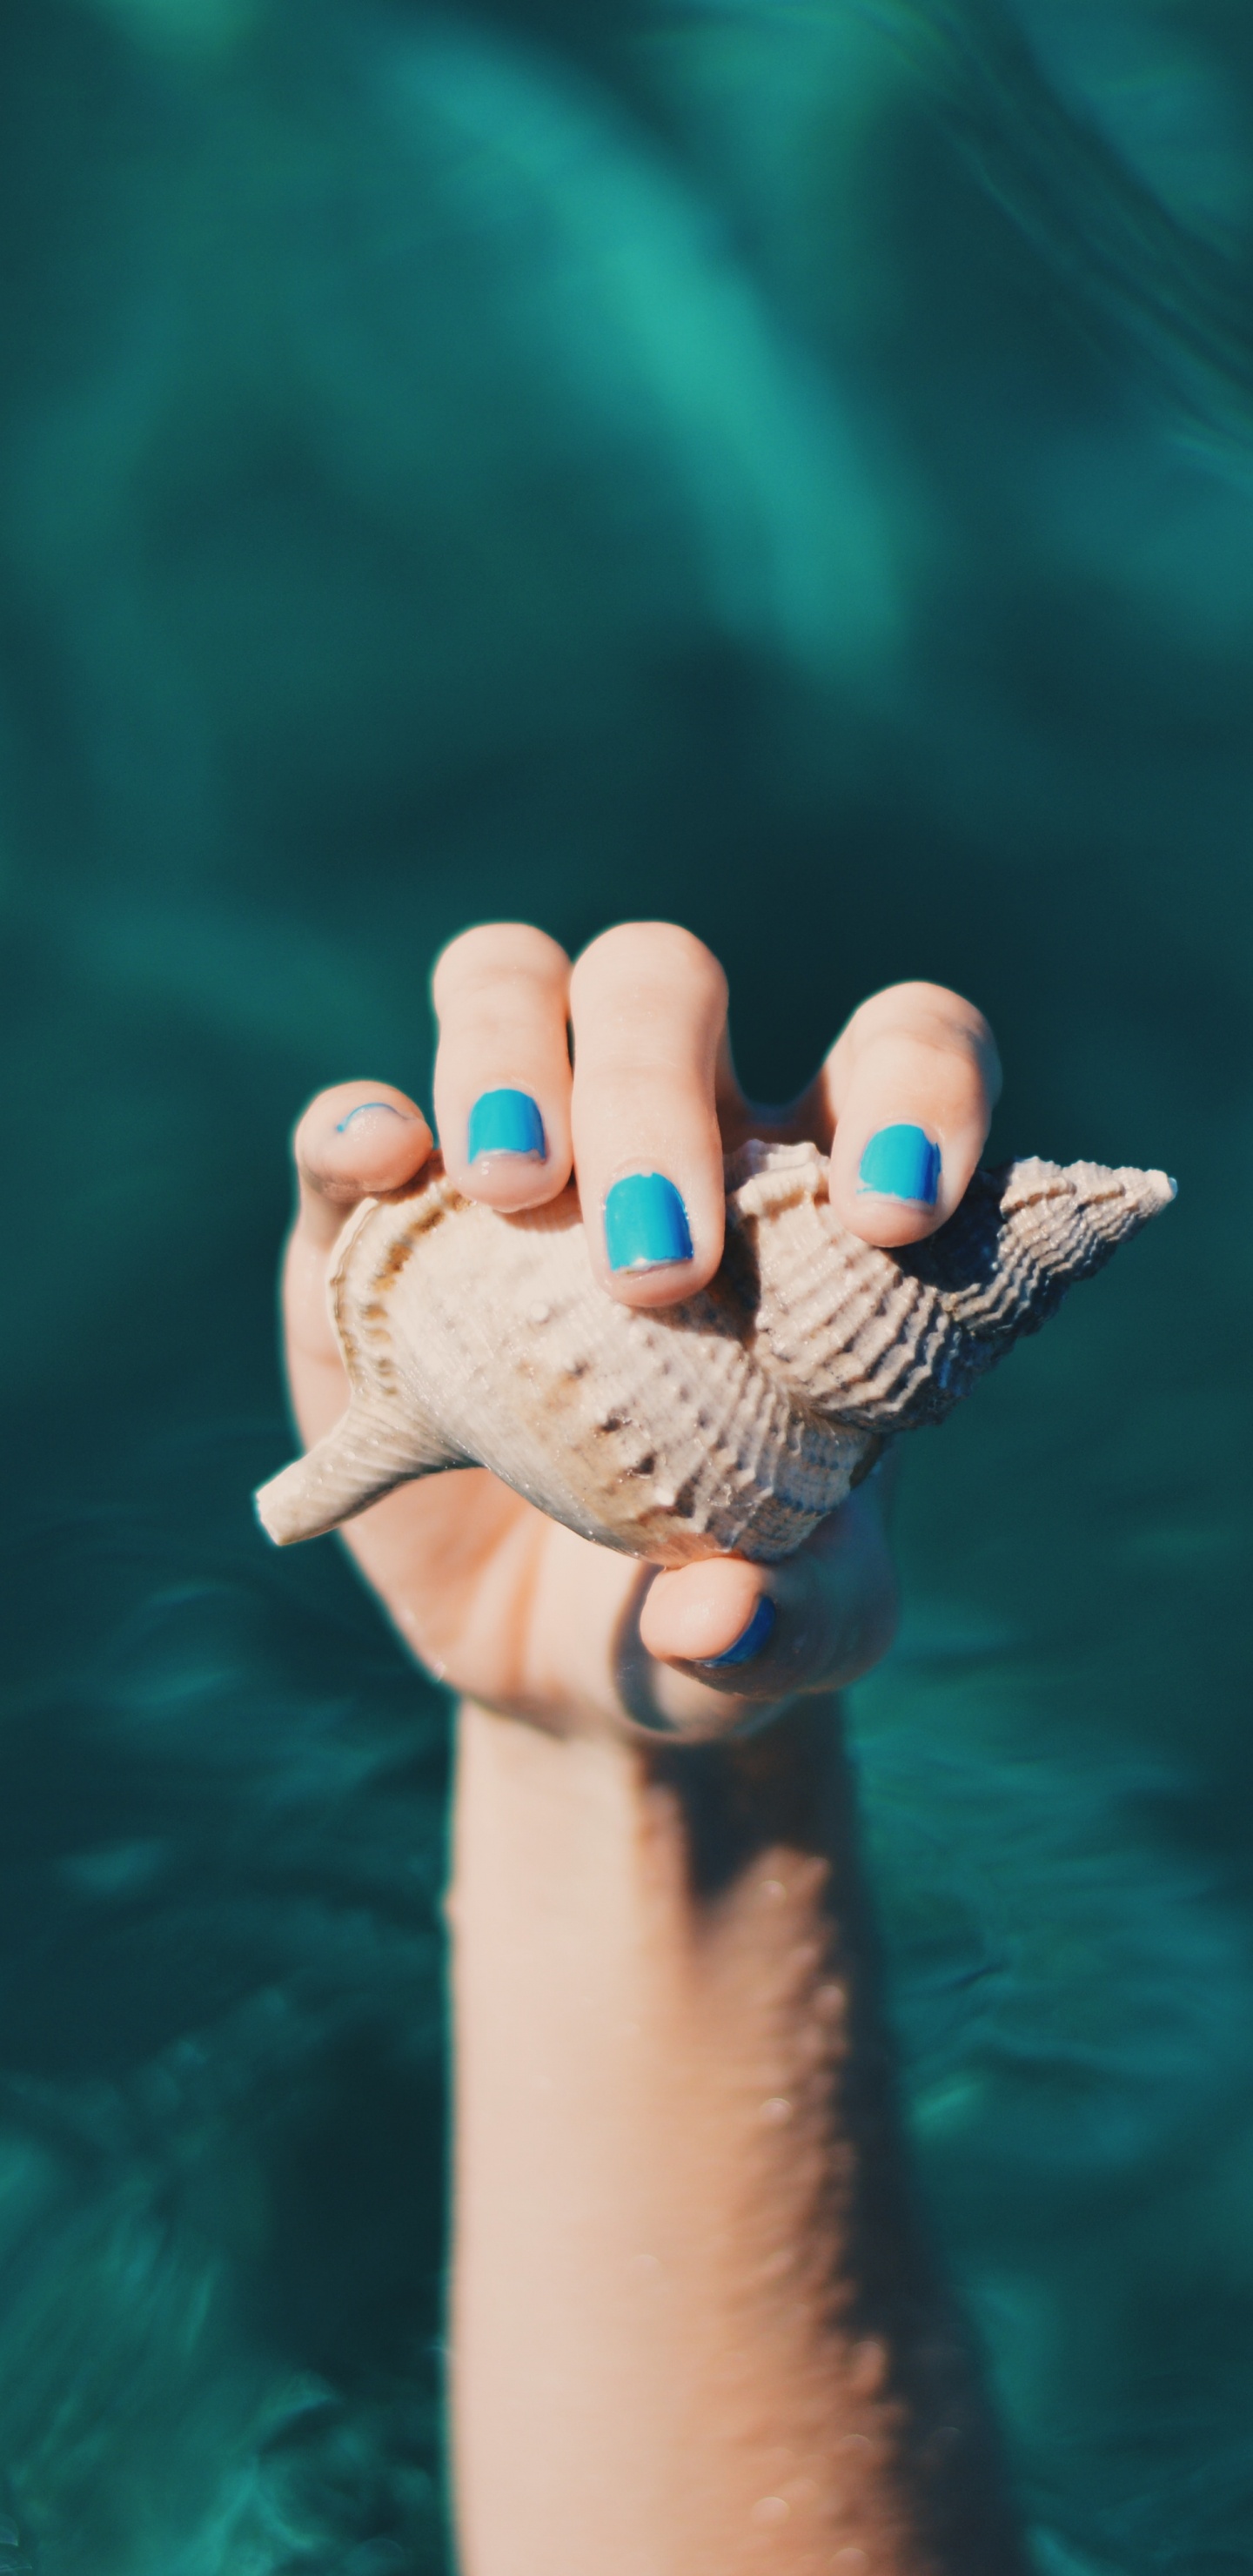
506, 1122
901, 1163
760, 1628
360, 1111
646, 1223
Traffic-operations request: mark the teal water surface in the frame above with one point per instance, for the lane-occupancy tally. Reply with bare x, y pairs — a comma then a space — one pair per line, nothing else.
785, 465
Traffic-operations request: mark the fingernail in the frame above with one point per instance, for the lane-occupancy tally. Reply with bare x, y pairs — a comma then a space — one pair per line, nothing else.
646, 1223
901, 1163
362, 1109
760, 1628
506, 1122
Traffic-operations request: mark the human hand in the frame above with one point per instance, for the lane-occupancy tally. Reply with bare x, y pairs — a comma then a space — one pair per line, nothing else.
513, 1610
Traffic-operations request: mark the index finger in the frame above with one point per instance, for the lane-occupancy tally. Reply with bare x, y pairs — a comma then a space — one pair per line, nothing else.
909, 1089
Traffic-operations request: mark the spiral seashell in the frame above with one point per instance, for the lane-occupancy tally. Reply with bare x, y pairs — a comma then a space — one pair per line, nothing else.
735, 1421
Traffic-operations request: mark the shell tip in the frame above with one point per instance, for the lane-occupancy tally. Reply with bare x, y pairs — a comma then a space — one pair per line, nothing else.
272, 1506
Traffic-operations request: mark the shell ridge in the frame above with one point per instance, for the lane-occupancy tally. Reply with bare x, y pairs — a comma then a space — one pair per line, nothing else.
738, 1419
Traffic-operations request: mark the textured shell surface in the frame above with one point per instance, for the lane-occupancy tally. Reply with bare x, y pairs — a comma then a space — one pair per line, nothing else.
732, 1422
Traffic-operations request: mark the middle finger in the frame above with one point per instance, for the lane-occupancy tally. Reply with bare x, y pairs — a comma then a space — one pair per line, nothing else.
649, 1004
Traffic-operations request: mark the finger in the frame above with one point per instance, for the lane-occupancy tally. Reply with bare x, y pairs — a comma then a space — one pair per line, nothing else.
359, 1138
353, 1141
909, 1088
649, 1004
502, 1074
766, 1633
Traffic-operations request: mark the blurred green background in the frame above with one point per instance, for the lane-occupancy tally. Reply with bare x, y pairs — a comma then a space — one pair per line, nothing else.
785, 465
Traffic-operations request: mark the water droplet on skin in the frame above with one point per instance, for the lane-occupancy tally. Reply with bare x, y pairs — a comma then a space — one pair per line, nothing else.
830, 2002
539, 1313
851, 2561
770, 2509
773, 1891
776, 2110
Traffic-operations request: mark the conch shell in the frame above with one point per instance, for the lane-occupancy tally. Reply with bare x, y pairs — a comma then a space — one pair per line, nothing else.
734, 1421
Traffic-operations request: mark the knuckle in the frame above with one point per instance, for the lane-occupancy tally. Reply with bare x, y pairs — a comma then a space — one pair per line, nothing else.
932, 1013
492, 953
652, 953
927, 1059
955, 1074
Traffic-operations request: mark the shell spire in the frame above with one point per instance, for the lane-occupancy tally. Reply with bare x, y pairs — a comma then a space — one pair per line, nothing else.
734, 1421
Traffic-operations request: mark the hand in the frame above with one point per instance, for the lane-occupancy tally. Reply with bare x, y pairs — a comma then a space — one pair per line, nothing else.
509, 1607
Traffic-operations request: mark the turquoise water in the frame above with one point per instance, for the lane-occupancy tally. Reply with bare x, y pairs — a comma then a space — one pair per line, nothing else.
784, 467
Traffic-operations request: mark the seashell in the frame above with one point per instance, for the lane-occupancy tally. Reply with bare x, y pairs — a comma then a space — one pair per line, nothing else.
735, 1421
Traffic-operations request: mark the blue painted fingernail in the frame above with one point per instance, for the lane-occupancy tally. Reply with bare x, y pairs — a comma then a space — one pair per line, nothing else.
363, 1106
646, 1223
901, 1163
760, 1628
506, 1122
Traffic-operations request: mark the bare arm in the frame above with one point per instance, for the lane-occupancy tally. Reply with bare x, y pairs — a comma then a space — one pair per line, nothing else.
695, 2321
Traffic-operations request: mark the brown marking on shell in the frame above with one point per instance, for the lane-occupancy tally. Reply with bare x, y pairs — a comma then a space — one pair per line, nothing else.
735, 1421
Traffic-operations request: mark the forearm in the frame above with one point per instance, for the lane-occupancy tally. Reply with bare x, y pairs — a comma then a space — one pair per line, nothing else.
695, 2329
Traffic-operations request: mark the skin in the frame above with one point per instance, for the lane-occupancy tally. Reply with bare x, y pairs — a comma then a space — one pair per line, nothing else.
695, 2323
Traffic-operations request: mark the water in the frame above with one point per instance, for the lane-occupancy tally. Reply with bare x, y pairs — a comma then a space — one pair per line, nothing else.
787, 469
